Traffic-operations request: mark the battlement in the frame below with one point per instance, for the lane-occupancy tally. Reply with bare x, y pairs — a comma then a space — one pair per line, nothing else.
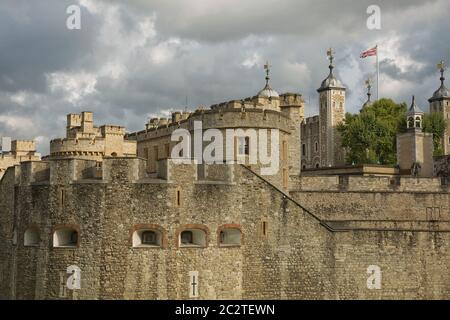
86, 141
112, 129
124, 169
218, 119
291, 99
368, 184
23, 146
312, 120
73, 120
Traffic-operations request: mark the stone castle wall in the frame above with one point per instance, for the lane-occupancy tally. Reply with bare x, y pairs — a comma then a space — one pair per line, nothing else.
313, 245
155, 143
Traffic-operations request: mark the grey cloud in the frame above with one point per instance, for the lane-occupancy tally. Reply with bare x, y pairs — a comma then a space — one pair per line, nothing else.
212, 40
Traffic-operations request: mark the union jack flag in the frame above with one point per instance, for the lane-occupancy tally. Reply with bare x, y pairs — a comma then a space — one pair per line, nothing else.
369, 53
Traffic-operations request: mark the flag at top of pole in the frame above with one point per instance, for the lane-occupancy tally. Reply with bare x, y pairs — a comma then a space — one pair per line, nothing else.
369, 53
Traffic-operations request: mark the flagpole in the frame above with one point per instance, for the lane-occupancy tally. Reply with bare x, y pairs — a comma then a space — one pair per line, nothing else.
378, 76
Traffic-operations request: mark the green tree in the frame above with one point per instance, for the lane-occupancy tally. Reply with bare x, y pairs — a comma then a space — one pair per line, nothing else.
370, 136
434, 123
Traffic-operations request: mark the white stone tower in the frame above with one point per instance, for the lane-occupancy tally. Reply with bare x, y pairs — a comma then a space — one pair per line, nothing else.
331, 113
414, 147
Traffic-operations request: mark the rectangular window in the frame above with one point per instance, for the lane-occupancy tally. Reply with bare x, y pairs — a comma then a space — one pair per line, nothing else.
167, 147
303, 149
178, 197
155, 153
264, 228
62, 197
243, 146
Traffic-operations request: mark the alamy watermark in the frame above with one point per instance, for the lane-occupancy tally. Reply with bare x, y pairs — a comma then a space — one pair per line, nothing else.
374, 19
374, 279
242, 146
73, 21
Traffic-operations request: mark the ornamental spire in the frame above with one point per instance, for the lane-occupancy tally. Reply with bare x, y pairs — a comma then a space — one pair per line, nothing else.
330, 54
441, 67
267, 68
369, 86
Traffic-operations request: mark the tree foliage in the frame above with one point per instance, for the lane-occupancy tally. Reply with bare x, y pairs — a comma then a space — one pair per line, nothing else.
435, 123
370, 136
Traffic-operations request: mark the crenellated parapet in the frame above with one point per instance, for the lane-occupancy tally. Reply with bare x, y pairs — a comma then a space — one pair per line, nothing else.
119, 170
85, 141
369, 184
21, 150
217, 118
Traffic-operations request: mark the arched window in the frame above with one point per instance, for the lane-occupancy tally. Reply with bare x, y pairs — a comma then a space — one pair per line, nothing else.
192, 238
317, 166
147, 238
410, 122
65, 237
229, 236
31, 237
418, 122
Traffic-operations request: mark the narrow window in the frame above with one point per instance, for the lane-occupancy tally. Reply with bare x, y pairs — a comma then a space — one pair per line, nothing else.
303, 149
178, 197
62, 197
264, 228
247, 145
316, 146
243, 146
167, 146
155, 153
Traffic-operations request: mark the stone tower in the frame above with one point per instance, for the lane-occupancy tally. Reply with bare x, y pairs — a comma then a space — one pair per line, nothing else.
440, 102
331, 113
414, 147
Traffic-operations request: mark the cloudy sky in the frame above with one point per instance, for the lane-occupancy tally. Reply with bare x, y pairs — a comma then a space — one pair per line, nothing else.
136, 59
